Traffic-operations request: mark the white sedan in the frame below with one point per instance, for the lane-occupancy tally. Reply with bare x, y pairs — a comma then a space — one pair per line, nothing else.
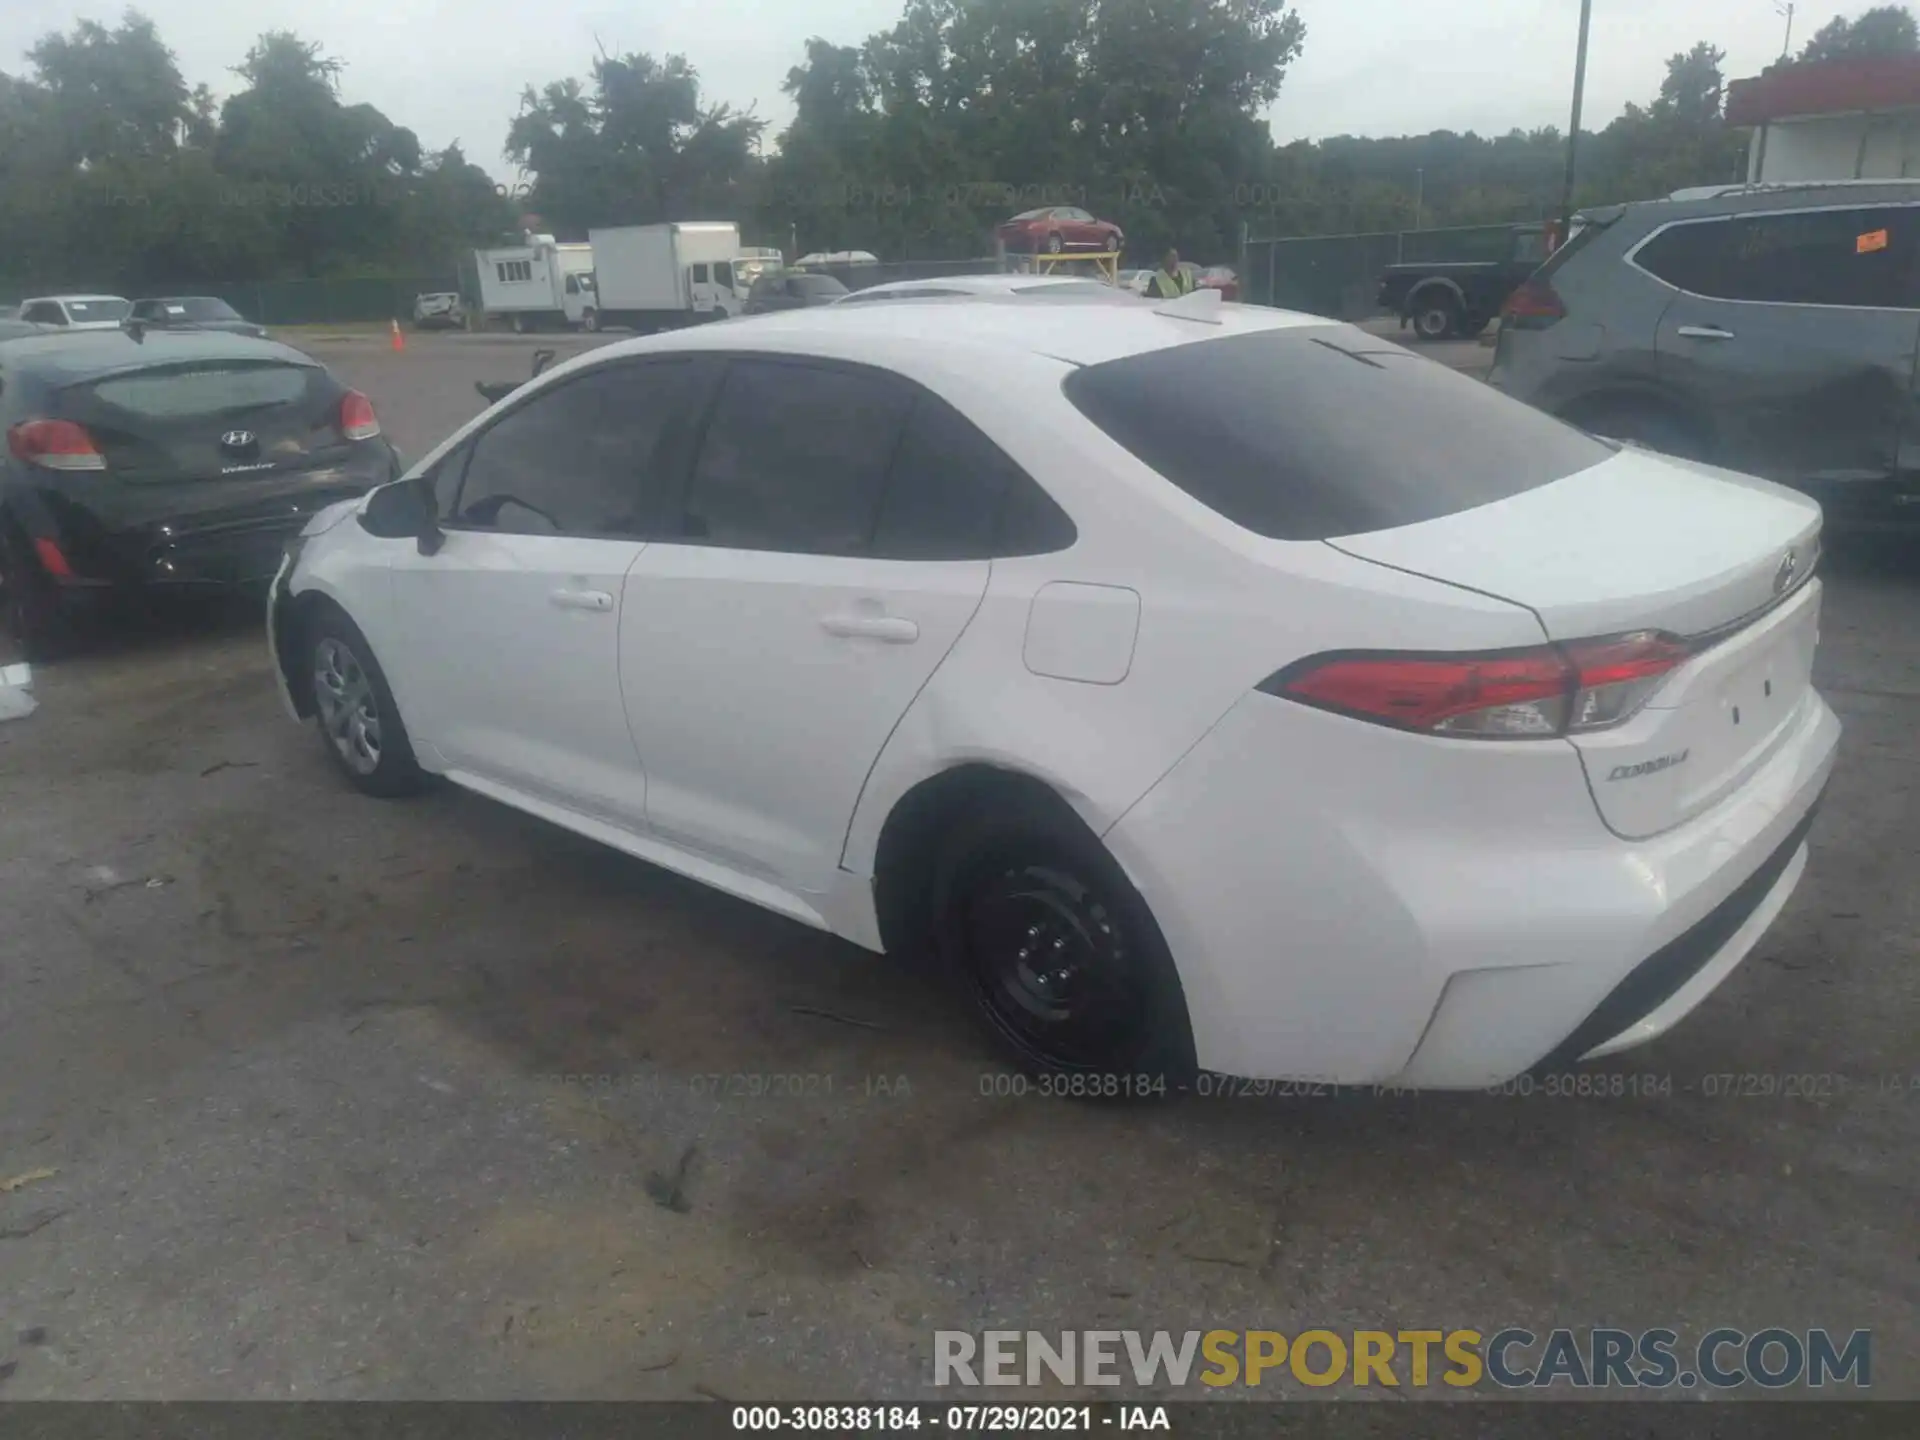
1205, 686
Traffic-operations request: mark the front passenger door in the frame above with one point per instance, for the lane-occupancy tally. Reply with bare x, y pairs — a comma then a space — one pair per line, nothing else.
510, 655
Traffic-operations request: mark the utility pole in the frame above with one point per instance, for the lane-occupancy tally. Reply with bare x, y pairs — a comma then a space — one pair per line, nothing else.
1573, 130
1419, 194
1786, 10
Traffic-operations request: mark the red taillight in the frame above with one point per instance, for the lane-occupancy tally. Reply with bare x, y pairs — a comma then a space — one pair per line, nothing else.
1534, 306
55, 445
357, 420
1505, 695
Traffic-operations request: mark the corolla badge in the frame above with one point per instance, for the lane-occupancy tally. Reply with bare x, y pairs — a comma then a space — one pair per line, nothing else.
238, 440
1784, 576
1648, 767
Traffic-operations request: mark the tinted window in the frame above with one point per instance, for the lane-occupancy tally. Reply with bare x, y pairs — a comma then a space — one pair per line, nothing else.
44, 314
816, 285
700, 274
205, 307
1311, 432
952, 495
1812, 257
723, 274
794, 458
578, 459
179, 394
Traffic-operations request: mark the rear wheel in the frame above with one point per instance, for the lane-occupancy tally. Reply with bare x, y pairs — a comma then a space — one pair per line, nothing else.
1435, 316
1055, 244
359, 723
1059, 954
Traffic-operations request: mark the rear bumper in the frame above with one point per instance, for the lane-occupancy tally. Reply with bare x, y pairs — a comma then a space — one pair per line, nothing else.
1351, 905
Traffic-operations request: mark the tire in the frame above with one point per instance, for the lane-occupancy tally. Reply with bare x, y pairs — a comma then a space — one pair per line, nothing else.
590, 321
360, 726
1055, 245
1015, 883
519, 323
30, 604
1435, 317
1645, 425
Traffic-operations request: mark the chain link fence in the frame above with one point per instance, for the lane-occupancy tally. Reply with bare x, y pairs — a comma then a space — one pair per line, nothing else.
283, 302
1339, 275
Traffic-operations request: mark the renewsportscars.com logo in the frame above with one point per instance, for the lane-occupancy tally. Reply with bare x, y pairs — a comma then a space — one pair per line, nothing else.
1510, 1359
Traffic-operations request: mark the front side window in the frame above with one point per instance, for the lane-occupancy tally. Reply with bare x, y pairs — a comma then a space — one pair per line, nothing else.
699, 274
578, 459
723, 275
795, 458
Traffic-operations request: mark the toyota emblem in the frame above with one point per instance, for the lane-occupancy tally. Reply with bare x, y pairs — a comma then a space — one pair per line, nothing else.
237, 440
1789, 567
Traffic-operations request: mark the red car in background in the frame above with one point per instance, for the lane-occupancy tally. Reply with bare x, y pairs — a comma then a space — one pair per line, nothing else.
1058, 229
1221, 278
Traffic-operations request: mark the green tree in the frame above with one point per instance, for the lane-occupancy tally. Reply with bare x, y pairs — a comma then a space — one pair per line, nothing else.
1883, 30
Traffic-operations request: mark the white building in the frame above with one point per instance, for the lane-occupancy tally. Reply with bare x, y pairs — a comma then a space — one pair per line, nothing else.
1831, 120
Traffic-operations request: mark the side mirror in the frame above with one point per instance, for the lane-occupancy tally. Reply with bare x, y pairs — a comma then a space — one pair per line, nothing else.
403, 510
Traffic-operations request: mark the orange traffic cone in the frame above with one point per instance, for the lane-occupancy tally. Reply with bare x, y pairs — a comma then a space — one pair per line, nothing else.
399, 340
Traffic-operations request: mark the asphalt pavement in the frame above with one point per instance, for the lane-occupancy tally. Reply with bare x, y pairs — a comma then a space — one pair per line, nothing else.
304, 1095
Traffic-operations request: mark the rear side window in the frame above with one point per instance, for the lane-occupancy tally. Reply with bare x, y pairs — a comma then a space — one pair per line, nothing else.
205, 391
1860, 257
1312, 432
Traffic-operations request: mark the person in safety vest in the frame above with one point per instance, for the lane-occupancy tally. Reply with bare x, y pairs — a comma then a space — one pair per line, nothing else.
1170, 282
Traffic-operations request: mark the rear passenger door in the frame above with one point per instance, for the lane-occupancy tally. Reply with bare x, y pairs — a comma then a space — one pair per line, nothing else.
1795, 333
836, 534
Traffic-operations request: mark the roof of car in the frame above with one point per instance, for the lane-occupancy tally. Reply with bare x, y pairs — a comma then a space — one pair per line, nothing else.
997, 284
1076, 334
37, 299
103, 352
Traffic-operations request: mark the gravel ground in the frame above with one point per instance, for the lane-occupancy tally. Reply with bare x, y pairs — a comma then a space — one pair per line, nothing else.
298, 1065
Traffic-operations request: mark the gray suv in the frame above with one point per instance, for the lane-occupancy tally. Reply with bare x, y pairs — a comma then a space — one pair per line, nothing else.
1767, 328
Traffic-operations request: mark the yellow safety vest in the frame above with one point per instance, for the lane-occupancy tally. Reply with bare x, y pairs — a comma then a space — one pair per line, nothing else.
1171, 287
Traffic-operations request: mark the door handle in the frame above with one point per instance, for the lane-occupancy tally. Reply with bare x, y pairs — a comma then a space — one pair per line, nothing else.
598, 600
893, 629
1704, 332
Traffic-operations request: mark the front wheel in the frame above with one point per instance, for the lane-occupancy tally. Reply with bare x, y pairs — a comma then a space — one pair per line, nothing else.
359, 723
1059, 954
1055, 245
590, 321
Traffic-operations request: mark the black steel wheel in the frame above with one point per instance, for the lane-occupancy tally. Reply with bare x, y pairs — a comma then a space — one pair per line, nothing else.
1059, 954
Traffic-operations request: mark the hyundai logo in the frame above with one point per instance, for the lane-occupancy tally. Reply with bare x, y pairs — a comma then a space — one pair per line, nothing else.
1789, 567
238, 440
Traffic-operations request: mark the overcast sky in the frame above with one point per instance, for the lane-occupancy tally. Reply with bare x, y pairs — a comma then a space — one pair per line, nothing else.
454, 69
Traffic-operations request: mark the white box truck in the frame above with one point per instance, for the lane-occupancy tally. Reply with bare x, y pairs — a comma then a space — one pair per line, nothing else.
538, 285
657, 277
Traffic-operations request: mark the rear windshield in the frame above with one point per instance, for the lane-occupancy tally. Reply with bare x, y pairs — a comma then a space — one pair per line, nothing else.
816, 285
202, 390
205, 307
1311, 432
84, 310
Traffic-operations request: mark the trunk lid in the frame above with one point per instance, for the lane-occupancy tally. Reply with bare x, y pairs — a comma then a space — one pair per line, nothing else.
212, 421
1644, 542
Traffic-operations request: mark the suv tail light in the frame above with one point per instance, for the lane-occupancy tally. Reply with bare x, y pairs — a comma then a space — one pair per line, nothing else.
1554, 690
357, 420
1533, 306
55, 445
